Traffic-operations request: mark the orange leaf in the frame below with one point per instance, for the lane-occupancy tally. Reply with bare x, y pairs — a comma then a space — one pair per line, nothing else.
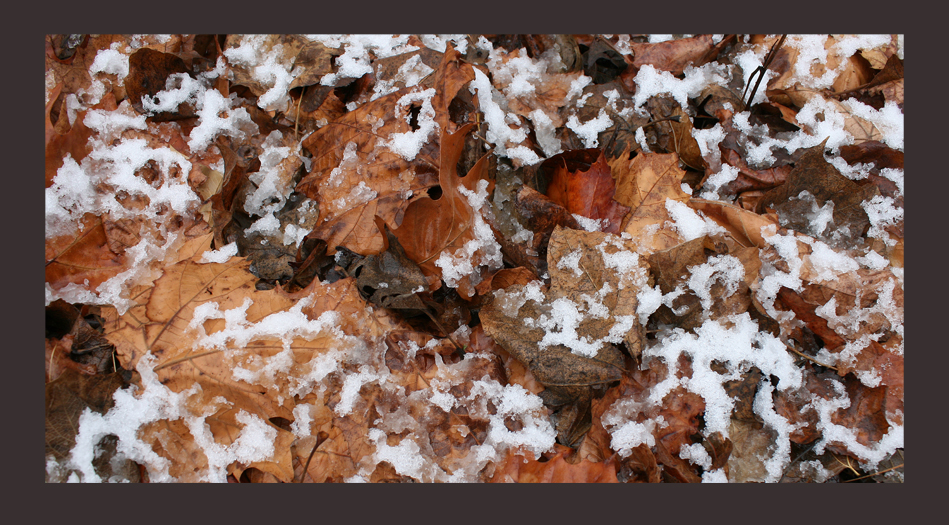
587, 192
518, 469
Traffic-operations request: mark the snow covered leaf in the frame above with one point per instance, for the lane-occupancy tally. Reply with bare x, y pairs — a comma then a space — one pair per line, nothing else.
645, 184
205, 326
715, 282
582, 183
448, 234
148, 73
67, 398
583, 266
378, 159
558, 469
592, 267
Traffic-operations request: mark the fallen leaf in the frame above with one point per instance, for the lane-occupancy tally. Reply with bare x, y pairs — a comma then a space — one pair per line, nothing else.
584, 186
355, 176
83, 257
814, 174
432, 227
644, 184
518, 469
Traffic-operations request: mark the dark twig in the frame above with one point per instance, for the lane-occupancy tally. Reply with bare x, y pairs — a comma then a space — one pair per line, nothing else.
761, 70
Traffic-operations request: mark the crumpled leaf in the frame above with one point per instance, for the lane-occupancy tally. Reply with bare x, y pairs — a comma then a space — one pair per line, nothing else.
585, 186
644, 184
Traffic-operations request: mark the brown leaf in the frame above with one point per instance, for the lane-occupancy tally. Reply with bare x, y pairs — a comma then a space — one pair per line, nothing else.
518, 469
814, 174
644, 184
541, 216
148, 71
595, 275
432, 227
355, 177
390, 279
672, 55
749, 178
587, 192
743, 225
673, 268
82, 257
162, 325
67, 398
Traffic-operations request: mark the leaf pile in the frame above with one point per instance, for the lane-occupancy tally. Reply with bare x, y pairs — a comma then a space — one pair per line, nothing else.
474, 258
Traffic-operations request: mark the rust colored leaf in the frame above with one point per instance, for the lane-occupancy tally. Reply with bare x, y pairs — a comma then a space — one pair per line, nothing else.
431, 227
587, 192
82, 256
518, 469
506, 277
644, 184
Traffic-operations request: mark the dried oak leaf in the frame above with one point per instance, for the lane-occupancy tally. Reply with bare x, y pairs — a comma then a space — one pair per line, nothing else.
645, 184
356, 176
586, 190
233, 364
518, 469
432, 227
672, 55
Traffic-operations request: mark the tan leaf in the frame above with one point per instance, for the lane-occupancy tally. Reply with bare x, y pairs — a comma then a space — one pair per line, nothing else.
644, 184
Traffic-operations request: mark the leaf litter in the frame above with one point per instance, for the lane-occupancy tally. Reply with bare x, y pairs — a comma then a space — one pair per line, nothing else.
474, 258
